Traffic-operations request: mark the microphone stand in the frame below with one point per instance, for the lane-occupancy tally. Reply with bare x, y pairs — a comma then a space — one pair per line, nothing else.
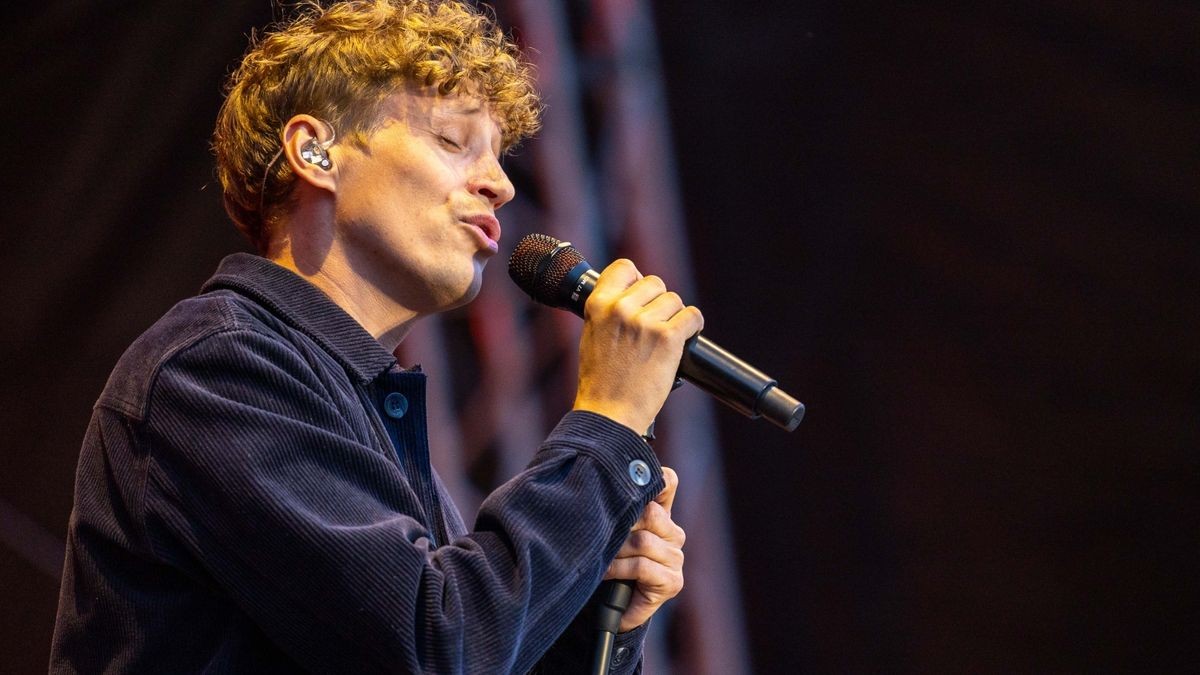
615, 595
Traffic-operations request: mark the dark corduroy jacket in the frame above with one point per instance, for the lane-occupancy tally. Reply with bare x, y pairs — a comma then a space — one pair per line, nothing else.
254, 494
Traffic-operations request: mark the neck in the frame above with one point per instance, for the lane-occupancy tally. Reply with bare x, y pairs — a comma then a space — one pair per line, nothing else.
313, 254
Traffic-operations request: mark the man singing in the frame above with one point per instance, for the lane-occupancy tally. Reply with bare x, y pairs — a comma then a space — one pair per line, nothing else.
254, 492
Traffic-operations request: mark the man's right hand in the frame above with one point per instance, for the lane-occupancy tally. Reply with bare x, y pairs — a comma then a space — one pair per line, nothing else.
633, 335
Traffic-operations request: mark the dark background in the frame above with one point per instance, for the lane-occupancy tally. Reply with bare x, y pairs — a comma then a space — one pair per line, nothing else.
965, 236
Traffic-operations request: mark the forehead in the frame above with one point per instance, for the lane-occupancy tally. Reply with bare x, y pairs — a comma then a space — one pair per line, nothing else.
420, 106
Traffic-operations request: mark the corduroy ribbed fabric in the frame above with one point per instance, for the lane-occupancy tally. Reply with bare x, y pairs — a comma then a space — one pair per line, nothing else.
245, 503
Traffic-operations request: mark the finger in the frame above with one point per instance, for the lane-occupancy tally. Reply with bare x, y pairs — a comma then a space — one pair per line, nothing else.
613, 281
642, 292
645, 544
618, 276
656, 519
689, 320
667, 497
662, 307
651, 577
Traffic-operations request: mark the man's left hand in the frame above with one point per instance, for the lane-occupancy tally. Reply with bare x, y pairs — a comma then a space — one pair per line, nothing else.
652, 556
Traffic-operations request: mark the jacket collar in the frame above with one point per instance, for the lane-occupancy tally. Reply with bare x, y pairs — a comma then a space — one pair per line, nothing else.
306, 308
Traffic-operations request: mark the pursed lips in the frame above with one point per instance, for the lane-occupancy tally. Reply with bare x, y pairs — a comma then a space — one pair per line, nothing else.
489, 225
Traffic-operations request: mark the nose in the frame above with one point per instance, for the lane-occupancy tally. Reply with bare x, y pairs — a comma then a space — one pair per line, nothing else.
490, 182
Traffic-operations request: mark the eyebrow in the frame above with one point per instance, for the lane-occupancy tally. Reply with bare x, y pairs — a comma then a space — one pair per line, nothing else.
463, 111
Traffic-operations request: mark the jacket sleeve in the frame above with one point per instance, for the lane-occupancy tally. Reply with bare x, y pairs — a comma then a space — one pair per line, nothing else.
256, 484
574, 650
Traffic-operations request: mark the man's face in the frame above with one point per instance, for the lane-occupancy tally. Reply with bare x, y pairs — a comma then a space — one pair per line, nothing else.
414, 210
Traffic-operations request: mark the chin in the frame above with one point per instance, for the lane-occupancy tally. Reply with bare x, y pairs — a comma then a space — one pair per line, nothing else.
466, 295
470, 295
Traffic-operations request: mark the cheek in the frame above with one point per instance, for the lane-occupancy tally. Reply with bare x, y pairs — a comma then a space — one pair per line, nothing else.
418, 191
379, 200
414, 190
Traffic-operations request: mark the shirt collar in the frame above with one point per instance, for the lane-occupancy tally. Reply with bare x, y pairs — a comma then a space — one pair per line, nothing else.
306, 308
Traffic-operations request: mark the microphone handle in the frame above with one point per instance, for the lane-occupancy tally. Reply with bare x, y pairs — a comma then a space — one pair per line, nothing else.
615, 595
705, 364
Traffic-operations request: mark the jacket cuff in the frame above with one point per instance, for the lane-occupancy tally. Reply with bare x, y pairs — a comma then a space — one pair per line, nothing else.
627, 651
621, 452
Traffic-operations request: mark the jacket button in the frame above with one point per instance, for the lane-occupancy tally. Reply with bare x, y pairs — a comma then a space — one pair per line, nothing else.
395, 405
639, 472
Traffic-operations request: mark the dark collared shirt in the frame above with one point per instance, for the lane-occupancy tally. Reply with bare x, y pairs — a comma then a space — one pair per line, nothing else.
254, 494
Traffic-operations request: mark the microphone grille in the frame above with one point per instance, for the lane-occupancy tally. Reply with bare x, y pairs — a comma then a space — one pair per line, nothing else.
540, 263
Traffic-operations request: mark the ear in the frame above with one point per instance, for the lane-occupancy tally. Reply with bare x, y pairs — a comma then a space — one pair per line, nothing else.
299, 134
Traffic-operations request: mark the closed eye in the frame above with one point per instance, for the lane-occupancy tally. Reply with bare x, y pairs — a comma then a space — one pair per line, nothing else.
450, 143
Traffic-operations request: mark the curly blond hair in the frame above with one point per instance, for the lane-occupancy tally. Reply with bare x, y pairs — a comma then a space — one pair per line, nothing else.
339, 63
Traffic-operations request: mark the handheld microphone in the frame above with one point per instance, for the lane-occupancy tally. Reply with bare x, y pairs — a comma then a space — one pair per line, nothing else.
554, 273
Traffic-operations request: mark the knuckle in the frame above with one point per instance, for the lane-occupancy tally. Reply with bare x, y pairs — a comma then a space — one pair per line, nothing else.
598, 304
627, 268
655, 512
623, 568
639, 540
640, 568
659, 518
